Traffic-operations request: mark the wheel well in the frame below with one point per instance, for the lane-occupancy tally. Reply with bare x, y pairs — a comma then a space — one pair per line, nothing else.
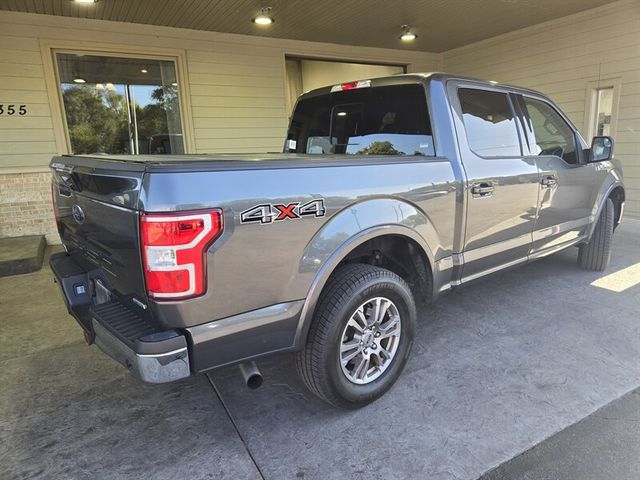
401, 255
617, 196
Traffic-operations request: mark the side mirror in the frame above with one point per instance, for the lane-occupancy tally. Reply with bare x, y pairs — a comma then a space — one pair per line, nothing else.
601, 149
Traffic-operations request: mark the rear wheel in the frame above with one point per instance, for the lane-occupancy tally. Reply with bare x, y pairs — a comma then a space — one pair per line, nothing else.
596, 254
360, 336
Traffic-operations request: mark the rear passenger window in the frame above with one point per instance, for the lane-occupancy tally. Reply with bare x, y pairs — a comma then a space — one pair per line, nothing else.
488, 120
392, 120
553, 135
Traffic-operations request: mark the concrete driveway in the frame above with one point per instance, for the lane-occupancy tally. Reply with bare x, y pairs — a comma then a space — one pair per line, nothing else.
497, 367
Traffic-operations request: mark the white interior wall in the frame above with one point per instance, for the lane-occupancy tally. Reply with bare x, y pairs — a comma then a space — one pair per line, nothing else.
317, 73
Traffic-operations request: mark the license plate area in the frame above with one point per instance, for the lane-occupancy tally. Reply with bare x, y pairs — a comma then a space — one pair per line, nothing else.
103, 294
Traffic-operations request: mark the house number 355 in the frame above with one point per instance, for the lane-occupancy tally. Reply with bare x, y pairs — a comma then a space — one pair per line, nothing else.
12, 109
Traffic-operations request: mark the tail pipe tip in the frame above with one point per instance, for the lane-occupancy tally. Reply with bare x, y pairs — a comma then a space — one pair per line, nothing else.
251, 375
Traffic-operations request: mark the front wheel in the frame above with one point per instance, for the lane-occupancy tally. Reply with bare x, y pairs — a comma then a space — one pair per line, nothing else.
596, 254
360, 336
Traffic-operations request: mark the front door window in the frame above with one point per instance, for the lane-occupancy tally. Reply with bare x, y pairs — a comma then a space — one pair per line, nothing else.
552, 134
120, 105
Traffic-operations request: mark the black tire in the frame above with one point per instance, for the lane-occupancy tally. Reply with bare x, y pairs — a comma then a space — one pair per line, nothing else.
596, 254
318, 363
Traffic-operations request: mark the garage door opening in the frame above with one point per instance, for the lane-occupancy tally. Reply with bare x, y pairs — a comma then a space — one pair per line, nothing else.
304, 74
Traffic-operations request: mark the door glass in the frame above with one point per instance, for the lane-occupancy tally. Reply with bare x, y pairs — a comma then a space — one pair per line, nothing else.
120, 105
553, 136
488, 120
604, 108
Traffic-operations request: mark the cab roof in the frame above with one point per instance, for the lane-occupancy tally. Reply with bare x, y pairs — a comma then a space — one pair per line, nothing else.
423, 77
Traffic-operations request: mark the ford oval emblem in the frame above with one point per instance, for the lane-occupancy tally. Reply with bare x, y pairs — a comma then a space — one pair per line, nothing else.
78, 214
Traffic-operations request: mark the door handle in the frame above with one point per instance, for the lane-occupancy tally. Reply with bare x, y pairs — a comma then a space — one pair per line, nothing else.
549, 181
481, 190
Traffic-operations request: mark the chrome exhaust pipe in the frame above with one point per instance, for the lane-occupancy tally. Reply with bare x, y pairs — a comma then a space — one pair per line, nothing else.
251, 375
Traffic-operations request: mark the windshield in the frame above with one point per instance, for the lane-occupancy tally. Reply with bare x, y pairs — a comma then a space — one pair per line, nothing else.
390, 120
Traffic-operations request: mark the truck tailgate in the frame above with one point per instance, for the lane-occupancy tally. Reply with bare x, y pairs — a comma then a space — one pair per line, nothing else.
96, 213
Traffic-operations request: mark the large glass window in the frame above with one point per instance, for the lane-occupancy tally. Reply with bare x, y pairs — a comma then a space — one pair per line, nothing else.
390, 120
120, 105
488, 120
552, 134
604, 111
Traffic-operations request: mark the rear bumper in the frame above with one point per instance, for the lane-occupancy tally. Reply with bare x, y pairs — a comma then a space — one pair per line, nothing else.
152, 368
119, 329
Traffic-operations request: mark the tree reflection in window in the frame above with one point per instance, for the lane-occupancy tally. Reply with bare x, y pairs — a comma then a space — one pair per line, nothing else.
120, 105
98, 121
380, 148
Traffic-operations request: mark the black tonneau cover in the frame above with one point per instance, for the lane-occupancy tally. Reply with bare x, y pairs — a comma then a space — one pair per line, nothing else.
222, 162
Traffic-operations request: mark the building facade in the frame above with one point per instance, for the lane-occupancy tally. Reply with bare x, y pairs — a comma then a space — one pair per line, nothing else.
223, 92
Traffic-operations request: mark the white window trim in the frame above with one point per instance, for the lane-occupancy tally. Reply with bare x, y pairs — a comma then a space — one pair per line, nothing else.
49, 48
591, 105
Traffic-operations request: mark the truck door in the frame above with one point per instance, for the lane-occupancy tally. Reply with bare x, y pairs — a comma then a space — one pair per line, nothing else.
568, 185
501, 183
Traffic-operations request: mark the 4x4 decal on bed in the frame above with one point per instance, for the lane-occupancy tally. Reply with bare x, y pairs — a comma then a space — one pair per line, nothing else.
269, 213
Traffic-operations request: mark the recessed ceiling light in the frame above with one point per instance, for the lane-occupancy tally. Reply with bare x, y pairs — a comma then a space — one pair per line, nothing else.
341, 114
407, 35
144, 70
264, 17
79, 80
86, 2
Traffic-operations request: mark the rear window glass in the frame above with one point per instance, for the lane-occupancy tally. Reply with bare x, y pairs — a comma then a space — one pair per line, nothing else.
390, 120
488, 120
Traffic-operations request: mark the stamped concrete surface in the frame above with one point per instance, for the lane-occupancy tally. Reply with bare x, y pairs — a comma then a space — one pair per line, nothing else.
497, 368
604, 445
67, 411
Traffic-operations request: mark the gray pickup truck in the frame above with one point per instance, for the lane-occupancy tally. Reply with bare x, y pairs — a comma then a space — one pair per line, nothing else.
389, 192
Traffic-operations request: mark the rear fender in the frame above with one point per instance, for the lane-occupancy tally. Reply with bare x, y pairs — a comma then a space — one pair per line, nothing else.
352, 227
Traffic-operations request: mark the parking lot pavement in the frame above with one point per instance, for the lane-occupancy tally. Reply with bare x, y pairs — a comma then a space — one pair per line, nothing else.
497, 367
605, 445
69, 412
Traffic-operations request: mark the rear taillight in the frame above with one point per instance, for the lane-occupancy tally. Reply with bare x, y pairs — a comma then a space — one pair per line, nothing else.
174, 248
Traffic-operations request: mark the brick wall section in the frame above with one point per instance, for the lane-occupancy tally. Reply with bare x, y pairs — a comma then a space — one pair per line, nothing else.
25, 206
